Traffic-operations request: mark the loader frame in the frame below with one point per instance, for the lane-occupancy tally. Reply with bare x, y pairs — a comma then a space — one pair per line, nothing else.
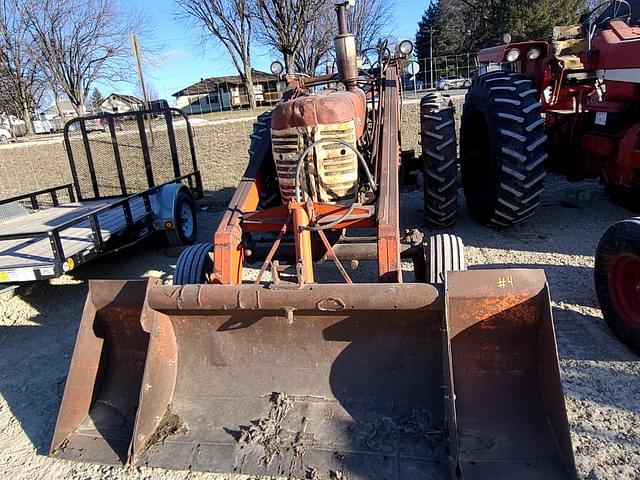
241, 216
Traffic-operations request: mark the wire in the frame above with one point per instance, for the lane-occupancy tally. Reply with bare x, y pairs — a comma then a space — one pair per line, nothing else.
327, 140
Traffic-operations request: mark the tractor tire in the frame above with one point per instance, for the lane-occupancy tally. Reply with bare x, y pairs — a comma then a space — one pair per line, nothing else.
194, 264
439, 161
502, 151
261, 135
617, 280
444, 253
626, 197
185, 229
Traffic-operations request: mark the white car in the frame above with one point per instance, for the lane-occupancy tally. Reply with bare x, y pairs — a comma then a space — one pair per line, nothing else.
5, 136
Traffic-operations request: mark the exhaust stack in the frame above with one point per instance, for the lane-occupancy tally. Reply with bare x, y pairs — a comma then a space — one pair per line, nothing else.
345, 45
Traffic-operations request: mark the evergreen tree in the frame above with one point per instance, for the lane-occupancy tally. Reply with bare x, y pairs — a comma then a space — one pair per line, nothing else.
466, 26
96, 98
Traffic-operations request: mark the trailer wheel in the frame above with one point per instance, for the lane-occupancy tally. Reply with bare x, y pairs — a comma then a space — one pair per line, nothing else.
502, 152
617, 280
444, 253
186, 224
439, 162
194, 264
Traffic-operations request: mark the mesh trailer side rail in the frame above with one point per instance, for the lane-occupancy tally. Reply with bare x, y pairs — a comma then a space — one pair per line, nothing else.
33, 196
113, 154
54, 234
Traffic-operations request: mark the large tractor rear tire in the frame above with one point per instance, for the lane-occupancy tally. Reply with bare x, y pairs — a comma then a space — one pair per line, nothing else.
617, 279
439, 161
502, 149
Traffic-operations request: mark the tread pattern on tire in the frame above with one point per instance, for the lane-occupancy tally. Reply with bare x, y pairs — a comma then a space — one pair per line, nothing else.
513, 111
439, 161
623, 236
446, 254
193, 264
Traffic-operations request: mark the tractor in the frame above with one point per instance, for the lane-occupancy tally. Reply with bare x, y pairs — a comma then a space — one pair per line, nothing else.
571, 107
435, 373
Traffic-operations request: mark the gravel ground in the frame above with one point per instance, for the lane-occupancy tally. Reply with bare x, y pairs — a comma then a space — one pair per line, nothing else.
600, 376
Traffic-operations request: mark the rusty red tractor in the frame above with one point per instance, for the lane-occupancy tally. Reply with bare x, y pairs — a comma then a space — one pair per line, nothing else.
571, 107
452, 373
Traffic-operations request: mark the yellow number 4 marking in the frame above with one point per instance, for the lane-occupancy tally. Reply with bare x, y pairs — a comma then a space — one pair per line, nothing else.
504, 281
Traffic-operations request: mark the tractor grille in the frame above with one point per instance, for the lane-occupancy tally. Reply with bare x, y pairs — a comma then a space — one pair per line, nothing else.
330, 173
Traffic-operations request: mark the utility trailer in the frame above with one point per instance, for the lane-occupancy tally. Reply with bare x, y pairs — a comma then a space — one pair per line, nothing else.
136, 175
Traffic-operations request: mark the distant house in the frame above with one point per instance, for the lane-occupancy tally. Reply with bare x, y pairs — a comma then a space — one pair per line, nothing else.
119, 103
223, 93
66, 108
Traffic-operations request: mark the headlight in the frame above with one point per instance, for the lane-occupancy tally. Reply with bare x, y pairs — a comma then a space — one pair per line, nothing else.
276, 68
406, 47
513, 55
534, 53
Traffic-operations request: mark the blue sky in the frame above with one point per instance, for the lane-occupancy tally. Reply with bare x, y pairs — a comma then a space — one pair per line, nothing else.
182, 60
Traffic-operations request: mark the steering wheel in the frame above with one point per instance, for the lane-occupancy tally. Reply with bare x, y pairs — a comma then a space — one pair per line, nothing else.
598, 18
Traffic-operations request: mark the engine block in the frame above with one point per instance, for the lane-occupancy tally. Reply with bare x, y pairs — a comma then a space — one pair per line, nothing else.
330, 170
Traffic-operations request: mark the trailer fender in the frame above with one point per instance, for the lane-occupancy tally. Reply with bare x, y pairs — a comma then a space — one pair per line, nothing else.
163, 205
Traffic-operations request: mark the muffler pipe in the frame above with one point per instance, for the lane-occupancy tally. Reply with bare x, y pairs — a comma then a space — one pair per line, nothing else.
345, 45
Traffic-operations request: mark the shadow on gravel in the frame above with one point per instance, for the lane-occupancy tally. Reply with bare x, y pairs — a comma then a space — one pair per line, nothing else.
36, 347
35, 358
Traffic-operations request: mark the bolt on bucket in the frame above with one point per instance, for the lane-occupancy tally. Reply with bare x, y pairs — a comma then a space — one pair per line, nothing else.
328, 380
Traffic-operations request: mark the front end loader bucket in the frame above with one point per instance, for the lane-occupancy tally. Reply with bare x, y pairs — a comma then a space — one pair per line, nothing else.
100, 400
347, 381
507, 417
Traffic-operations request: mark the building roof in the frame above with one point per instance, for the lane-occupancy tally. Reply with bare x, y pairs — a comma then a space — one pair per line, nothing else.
125, 98
65, 105
210, 84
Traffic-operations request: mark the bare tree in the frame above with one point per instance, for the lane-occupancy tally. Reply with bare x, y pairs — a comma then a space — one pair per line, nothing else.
229, 21
368, 21
81, 41
317, 40
21, 81
284, 24
152, 91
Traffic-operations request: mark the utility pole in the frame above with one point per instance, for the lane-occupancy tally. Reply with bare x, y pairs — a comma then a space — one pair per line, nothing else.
135, 47
431, 32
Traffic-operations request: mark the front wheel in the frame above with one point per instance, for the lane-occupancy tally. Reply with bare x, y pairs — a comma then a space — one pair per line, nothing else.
3, 140
185, 226
617, 280
442, 253
194, 264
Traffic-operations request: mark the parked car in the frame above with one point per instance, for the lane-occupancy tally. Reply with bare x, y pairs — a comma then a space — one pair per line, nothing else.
5, 135
447, 83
